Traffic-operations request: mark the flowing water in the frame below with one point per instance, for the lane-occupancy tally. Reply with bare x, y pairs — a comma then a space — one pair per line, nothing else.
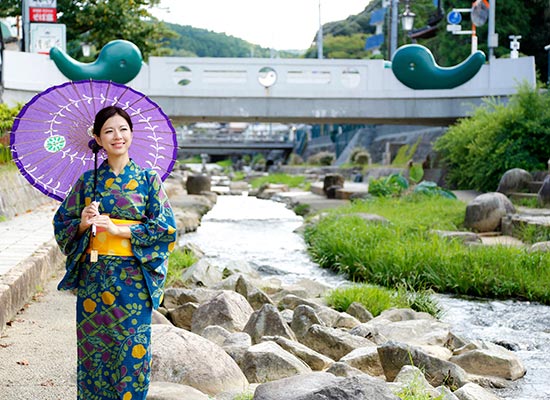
261, 232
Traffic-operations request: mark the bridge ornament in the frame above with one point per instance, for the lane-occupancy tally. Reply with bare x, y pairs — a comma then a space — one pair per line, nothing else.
118, 61
415, 67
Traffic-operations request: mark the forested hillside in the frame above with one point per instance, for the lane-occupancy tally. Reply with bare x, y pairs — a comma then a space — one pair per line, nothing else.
346, 38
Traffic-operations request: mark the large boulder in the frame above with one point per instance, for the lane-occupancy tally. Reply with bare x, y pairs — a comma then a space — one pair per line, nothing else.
485, 358
267, 322
267, 361
543, 195
316, 361
331, 342
198, 183
514, 180
394, 355
322, 385
228, 309
485, 212
332, 180
174, 391
182, 357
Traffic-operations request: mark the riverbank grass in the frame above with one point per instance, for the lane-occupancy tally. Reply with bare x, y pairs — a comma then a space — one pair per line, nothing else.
377, 299
179, 261
406, 251
292, 181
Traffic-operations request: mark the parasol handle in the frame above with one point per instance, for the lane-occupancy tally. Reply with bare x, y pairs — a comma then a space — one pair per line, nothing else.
92, 144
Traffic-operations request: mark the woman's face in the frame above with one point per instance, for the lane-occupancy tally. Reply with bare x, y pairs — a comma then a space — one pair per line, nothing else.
115, 136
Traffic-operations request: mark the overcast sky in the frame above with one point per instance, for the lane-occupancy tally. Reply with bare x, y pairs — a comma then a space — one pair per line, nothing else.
277, 24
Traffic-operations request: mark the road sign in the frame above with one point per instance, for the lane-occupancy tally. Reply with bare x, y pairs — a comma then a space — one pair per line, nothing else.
454, 18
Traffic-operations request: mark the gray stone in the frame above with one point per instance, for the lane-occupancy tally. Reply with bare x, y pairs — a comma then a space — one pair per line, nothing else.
196, 184
202, 273
228, 309
485, 212
359, 311
267, 361
331, 342
514, 180
543, 195
303, 317
472, 391
180, 356
393, 356
267, 322
174, 391
183, 315
316, 361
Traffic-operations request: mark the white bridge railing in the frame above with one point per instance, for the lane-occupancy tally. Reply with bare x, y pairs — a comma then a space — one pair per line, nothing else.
25, 74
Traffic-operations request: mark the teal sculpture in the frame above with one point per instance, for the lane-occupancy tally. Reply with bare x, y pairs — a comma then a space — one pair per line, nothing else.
118, 61
414, 66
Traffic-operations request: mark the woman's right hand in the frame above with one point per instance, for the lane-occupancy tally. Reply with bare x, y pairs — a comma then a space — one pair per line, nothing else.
88, 213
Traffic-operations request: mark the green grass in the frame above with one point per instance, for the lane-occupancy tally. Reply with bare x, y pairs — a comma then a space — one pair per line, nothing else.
377, 299
179, 261
292, 181
406, 252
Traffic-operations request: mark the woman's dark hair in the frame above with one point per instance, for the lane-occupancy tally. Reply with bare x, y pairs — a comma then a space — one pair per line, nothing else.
105, 113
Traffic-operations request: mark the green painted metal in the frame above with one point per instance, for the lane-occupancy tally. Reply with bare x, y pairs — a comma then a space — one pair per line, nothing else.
118, 61
414, 66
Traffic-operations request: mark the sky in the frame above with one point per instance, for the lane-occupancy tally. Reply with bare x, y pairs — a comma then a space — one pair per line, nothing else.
276, 24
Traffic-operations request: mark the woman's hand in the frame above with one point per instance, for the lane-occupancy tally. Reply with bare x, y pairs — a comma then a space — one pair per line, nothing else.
105, 222
87, 216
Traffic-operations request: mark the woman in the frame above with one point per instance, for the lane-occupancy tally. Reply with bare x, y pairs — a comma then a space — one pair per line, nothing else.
117, 229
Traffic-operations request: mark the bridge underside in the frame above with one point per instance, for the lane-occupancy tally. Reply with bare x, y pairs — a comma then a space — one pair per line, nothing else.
408, 111
233, 149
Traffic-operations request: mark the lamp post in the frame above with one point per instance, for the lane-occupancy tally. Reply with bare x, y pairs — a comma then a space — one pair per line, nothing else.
86, 49
407, 18
407, 21
547, 48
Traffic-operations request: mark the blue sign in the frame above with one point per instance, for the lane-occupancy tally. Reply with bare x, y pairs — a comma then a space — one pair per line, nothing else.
454, 17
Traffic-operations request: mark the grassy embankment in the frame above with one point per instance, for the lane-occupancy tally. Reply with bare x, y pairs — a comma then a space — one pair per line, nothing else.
407, 253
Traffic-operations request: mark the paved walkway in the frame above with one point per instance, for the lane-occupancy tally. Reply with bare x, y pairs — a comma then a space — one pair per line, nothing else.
38, 345
21, 236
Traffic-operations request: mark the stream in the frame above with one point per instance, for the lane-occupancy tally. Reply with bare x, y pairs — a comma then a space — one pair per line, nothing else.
261, 232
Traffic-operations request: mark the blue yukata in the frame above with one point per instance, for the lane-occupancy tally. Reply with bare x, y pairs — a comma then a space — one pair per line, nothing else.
116, 294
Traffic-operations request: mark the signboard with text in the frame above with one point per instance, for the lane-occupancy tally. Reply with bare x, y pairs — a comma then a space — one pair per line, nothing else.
42, 14
42, 3
46, 36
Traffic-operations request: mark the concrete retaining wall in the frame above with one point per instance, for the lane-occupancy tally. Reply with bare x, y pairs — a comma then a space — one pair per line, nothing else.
21, 282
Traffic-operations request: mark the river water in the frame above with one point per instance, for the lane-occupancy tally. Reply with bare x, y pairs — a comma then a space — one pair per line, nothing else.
262, 232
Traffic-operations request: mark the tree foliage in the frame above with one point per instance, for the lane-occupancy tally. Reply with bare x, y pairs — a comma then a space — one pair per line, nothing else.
99, 21
498, 137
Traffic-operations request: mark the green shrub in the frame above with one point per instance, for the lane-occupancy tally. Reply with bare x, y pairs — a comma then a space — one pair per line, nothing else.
295, 159
387, 186
321, 158
478, 150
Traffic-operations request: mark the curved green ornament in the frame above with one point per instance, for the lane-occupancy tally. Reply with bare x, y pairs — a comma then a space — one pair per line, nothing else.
118, 61
414, 66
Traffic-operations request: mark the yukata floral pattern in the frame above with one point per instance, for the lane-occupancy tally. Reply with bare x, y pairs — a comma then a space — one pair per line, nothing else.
116, 294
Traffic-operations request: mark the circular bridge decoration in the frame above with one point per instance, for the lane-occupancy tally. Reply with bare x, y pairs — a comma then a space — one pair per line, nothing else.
182, 75
267, 77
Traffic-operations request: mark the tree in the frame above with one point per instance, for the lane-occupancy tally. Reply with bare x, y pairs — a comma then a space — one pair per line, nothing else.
100, 21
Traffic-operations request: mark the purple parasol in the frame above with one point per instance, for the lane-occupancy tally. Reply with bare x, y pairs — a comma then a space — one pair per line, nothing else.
50, 136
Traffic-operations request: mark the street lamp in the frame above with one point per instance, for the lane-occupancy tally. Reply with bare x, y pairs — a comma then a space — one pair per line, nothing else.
86, 49
407, 18
320, 36
547, 48
407, 21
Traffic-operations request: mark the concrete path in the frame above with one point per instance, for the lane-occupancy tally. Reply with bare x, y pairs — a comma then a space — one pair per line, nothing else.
38, 348
38, 344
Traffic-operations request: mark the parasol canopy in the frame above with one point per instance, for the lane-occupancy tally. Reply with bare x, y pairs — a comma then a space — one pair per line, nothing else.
50, 136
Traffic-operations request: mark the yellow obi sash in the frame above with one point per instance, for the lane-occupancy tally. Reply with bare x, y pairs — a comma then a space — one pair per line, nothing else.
110, 245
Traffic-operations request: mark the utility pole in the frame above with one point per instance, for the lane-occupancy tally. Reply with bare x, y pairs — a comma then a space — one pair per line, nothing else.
393, 32
492, 40
320, 36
